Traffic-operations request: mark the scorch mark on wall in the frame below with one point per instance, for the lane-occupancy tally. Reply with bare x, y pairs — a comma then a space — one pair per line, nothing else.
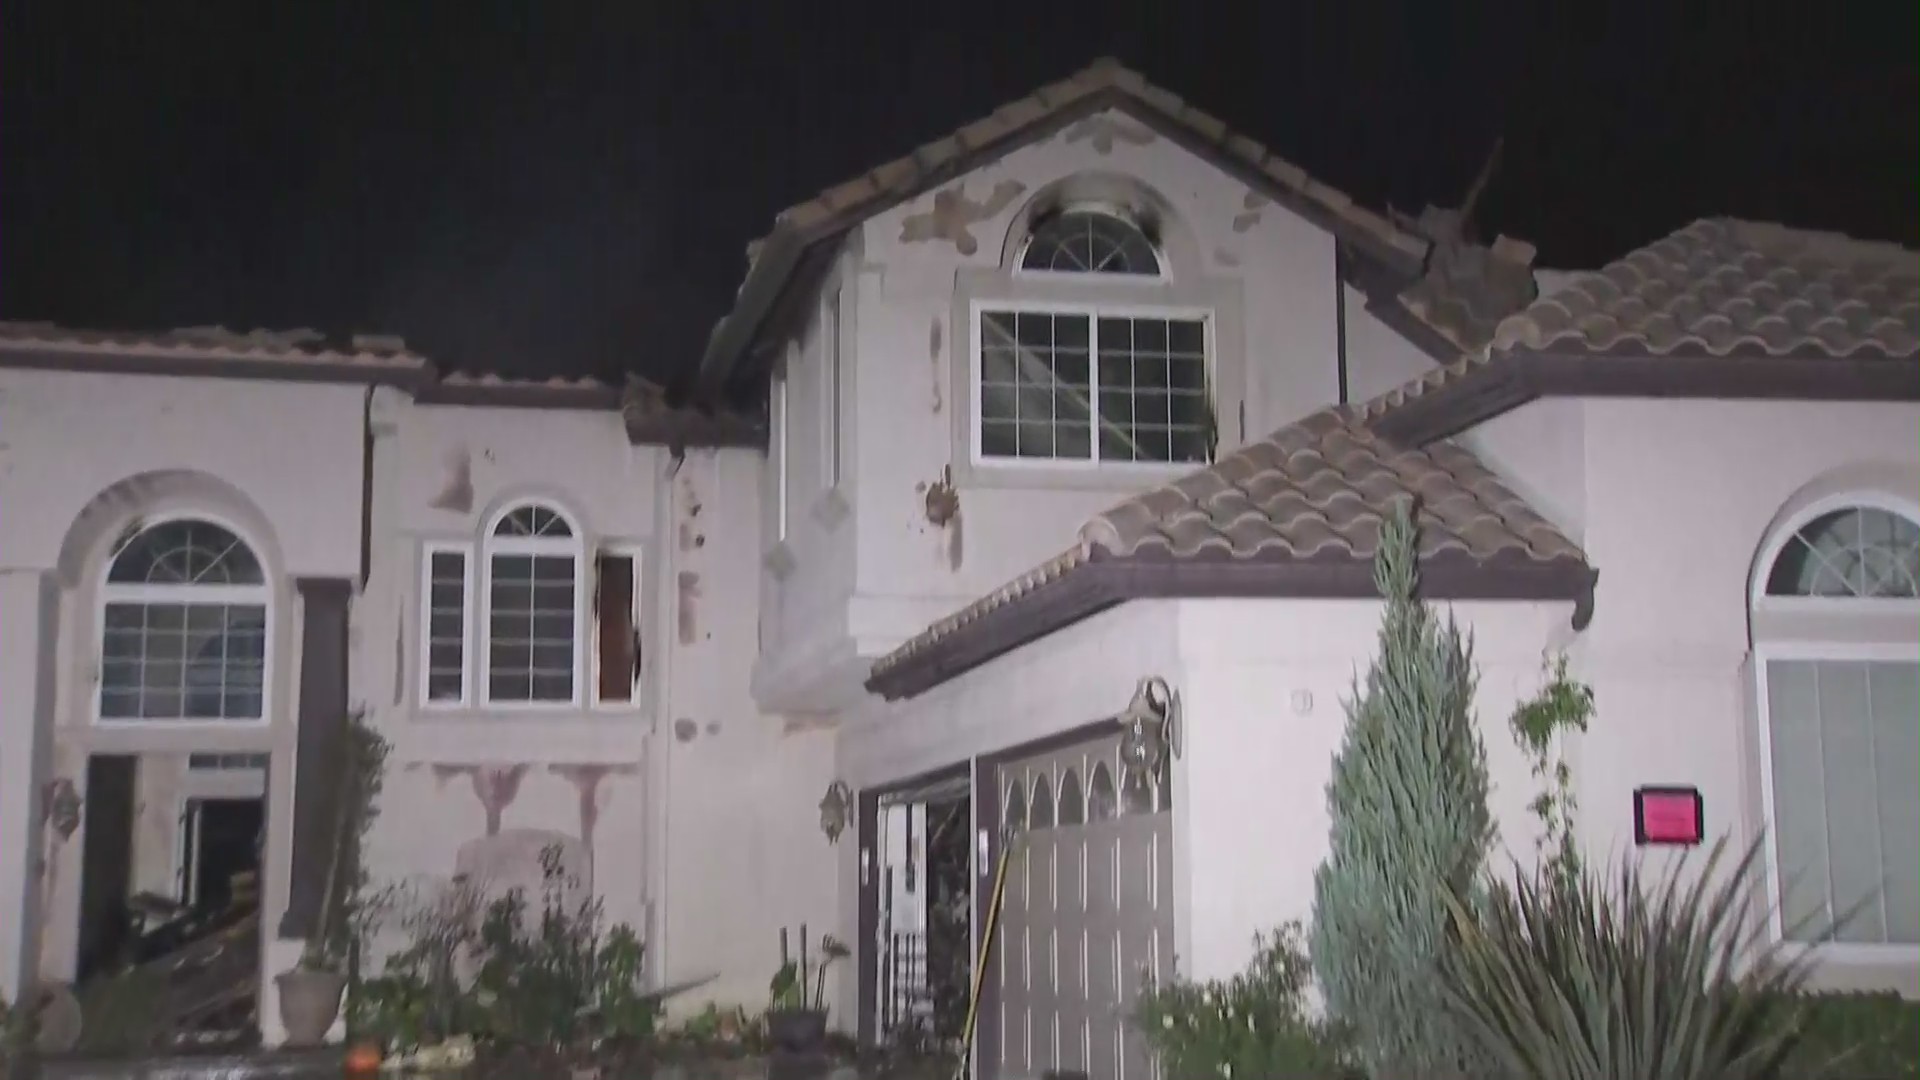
687, 617
954, 215
586, 781
943, 513
685, 729
456, 495
1102, 131
1249, 215
935, 332
496, 786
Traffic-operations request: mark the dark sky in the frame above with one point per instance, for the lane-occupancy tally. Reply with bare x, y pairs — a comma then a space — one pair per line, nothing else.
568, 186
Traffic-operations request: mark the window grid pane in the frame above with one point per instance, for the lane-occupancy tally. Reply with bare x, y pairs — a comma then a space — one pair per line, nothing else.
446, 626
530, 648
1846, 823
1042, 398
182, 661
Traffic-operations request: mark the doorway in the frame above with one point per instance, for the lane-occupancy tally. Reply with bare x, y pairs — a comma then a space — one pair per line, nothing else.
219, 850
923, 961
106, 861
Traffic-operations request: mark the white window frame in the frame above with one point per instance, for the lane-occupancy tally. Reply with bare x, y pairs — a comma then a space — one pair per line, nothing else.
778, 438
112, 593
1767, 651
1109, 209
468, 635
1093, 312
636, 703
575, 546
831, 381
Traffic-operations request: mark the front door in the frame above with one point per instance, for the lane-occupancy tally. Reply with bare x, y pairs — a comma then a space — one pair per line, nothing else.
1087, 915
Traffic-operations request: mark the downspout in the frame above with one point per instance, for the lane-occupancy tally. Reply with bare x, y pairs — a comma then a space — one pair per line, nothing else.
1340, 319
366, 487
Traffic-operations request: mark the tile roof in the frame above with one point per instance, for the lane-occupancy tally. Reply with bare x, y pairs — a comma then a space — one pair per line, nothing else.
1753, 295
1103, 84
1314, 492
1722, 286
213, 343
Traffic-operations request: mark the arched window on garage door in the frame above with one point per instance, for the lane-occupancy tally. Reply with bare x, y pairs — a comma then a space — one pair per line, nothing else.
1836, 627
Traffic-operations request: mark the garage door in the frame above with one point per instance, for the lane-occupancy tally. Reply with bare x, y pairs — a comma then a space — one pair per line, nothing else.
1087, 915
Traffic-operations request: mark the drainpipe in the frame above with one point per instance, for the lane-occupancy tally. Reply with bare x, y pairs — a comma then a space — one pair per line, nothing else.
1340, 318
366, 487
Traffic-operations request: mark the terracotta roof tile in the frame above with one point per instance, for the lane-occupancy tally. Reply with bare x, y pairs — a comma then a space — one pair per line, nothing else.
1316, 490
213, 343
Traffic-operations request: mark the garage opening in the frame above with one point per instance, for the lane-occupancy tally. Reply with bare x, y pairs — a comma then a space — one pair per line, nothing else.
924, 969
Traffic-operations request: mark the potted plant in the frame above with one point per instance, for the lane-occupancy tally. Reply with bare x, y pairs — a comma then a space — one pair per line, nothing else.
795, 1023
311, 994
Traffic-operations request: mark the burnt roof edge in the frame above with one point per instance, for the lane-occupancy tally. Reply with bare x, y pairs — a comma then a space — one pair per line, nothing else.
1513, 378
409, 374
1093, 587
768, 277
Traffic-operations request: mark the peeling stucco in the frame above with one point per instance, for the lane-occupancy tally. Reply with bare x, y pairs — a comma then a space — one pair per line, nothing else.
936, 333
586, 781
685, 730
687, 614
953, 215
713, 727
943, 513
456, 496
1225, 257
496, 786
1101, 132
1249, 214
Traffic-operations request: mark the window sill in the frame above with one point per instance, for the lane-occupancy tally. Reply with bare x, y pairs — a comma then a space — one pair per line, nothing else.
1114, 476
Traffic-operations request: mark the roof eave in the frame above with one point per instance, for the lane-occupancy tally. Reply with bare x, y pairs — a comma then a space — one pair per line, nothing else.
1095, 586
409, 373
1513, 378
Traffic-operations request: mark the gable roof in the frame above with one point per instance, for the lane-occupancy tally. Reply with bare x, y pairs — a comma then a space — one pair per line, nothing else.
790, 259
1722, 308
1297, 514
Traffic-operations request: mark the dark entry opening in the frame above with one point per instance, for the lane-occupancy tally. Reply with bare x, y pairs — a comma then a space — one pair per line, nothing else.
922, 965
222, 846
106, 861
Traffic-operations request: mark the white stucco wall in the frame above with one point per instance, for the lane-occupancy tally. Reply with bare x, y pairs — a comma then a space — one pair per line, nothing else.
1673, 500
82, 456
704, 833
1267, 275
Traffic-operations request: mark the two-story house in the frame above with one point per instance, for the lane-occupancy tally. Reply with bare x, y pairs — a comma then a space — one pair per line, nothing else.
1090, 392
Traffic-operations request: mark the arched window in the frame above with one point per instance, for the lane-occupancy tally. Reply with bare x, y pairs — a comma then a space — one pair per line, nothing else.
1090, 241
183, 626
1836, 618
535, 600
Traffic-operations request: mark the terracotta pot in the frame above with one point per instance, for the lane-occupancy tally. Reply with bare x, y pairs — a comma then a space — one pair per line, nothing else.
363, 1059
309, 1004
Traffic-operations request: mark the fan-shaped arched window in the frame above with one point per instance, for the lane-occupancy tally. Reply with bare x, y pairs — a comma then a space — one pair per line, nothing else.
1837, 655
535, 598
184, 626
1090, 241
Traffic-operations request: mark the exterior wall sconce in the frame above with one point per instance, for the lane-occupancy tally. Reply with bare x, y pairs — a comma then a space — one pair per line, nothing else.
1150, 726
836, 807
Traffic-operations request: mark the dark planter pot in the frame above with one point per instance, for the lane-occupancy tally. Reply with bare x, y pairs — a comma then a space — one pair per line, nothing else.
797, 1031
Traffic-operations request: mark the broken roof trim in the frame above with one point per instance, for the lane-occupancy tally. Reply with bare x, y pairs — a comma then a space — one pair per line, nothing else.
1092, 582
301, 356
1104, 85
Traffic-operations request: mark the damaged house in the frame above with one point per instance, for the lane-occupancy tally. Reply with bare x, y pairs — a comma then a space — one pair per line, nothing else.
1089, 392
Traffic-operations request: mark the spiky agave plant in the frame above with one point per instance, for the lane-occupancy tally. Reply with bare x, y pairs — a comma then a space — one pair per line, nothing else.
1622, 979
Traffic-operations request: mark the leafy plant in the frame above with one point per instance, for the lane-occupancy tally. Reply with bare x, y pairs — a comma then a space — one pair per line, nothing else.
418, 999
120, 1014
17, 1032
1619, 980
1859, 1036
1254, 1025
787, 991
1410, 828
363, 775
1540, 725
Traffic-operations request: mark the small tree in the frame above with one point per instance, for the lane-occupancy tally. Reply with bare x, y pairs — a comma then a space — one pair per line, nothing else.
1408, 801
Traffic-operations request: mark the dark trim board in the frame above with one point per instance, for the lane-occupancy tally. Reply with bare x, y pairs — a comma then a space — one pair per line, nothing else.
1102, 583
1486, 388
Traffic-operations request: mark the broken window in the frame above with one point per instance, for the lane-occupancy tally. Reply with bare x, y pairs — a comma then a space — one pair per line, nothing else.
616, 608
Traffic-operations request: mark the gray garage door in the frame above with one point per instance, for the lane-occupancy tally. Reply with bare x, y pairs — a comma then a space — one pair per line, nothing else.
1087, 915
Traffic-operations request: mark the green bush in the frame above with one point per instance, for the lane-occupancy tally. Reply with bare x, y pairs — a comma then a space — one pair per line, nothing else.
1591, 979
1858, 1036
1410, 828
1254, 1025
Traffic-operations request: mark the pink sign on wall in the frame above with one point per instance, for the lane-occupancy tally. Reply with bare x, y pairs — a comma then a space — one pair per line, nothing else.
1668, 816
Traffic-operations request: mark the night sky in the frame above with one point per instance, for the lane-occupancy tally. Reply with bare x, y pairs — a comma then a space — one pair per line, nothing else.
559, 186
